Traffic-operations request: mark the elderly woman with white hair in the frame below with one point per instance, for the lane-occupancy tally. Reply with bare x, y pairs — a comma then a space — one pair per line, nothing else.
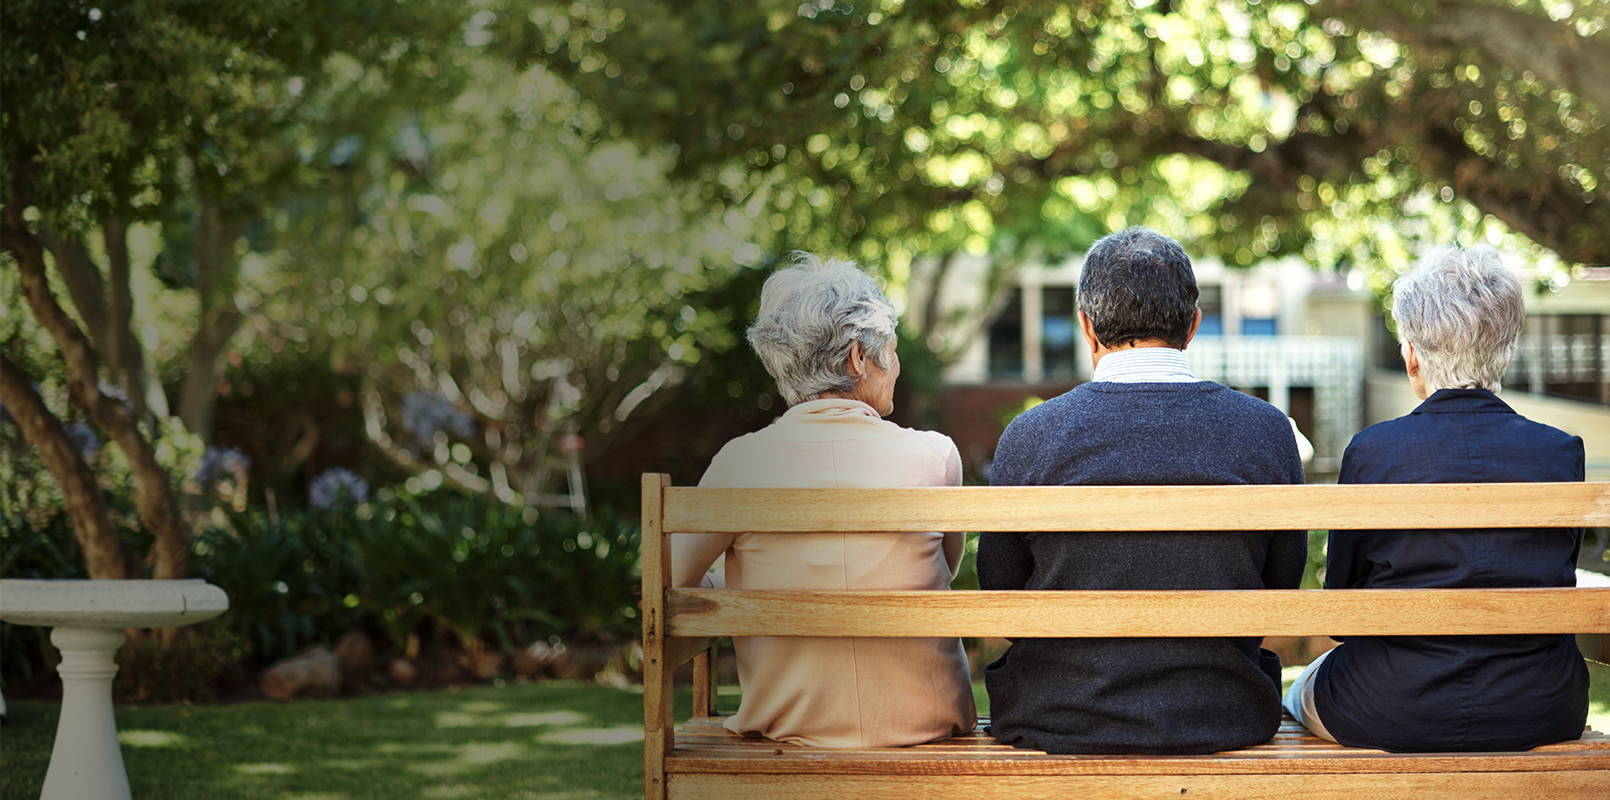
1459, 315
827, 335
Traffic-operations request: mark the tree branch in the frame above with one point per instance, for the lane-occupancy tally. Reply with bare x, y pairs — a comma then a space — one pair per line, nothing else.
83, 280
86, 507
1552, 51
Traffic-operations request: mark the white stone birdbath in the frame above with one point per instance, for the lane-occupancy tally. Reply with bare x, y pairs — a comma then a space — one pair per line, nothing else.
88, 618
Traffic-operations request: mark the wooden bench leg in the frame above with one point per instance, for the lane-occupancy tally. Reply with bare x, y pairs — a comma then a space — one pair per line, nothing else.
659, 722
704, 684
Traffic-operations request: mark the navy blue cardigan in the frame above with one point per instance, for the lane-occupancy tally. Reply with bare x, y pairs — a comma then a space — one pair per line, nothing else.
1141, 695
1458, 693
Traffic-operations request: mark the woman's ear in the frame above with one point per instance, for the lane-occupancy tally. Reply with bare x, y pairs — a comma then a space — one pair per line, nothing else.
1411, 359
855, 365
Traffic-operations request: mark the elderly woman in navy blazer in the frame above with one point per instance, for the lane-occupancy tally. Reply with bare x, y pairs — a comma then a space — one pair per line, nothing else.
1459, 315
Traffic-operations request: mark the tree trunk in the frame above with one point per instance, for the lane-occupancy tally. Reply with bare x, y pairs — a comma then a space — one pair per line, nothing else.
153, 496
933, 304
219, 317
198, 395
86, 507
124, 354
105, 304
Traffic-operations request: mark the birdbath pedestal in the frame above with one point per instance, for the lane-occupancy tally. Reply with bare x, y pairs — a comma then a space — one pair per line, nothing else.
88, 618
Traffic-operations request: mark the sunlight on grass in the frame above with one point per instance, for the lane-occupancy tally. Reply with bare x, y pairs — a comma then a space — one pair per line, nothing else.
139, 738
617, 735
459, 719
350, 764
471, 718
266, 769
447, 792
467, 757
554, 718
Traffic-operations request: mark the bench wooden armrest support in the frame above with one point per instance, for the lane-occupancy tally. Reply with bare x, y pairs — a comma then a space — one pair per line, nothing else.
704, 684
703, 760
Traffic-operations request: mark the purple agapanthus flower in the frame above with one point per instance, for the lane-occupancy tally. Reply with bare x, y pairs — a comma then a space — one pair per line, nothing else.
85, 440
425, 413
221, 462
336, 488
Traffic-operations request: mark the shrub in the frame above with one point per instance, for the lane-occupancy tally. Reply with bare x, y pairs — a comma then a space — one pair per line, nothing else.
440, 565
182, 668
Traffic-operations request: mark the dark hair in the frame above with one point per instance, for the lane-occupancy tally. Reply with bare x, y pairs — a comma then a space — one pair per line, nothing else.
1138, 284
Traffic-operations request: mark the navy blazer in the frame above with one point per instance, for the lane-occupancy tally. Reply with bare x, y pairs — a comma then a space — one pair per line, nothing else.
1455, 693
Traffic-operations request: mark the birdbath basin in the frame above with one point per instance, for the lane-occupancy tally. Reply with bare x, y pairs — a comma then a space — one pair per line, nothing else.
88, 619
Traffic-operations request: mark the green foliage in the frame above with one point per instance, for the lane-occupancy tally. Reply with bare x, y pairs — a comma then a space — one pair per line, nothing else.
286, 576
106, 102
484, 570
185, 669
1348, 132
503, 255
404, 564
407, 564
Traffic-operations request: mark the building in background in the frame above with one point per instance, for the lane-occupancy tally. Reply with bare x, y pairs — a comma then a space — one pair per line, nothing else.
1313, 344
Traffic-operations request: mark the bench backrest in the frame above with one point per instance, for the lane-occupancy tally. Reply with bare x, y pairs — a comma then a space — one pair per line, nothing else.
671, 612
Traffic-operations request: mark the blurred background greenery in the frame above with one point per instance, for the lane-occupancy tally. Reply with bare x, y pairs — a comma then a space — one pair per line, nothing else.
371, 312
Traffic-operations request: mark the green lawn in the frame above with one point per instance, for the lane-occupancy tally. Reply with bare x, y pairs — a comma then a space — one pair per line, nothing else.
546, 740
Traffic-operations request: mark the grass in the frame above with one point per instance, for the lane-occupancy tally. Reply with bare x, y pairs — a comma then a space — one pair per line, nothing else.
545, 740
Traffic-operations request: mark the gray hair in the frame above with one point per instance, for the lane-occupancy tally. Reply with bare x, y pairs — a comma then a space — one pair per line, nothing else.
1462, 311
1138, 284
810, 313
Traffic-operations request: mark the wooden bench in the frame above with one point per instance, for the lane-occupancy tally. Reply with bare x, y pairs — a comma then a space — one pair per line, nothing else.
702, 760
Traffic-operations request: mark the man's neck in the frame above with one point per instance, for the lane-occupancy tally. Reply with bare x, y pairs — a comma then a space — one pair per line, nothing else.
1102, 350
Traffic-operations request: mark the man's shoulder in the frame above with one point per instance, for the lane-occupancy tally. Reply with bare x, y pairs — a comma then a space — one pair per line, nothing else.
1051, 412
1235, 407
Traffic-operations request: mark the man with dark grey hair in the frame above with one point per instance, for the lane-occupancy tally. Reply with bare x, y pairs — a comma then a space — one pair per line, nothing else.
1142, 419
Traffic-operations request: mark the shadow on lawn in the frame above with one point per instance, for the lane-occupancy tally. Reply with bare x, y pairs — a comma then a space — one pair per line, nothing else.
549, 740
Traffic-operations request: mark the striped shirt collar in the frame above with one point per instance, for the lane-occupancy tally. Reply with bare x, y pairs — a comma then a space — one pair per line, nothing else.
1144, 365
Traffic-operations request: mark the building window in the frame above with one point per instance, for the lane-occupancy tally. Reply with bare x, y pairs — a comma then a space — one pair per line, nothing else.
1563, 355
1210, 299
1006, 339
1260, 326
1059, 332
1259, 303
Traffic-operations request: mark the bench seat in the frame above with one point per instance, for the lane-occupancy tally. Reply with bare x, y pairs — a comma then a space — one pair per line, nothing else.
709, 762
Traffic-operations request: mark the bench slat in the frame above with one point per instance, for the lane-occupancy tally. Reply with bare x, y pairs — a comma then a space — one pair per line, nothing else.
1138, 508
699, 740
1228, 763
1465, 786
1356, 612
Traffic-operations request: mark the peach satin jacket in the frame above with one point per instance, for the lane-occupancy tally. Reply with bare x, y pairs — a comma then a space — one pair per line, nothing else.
838, 692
